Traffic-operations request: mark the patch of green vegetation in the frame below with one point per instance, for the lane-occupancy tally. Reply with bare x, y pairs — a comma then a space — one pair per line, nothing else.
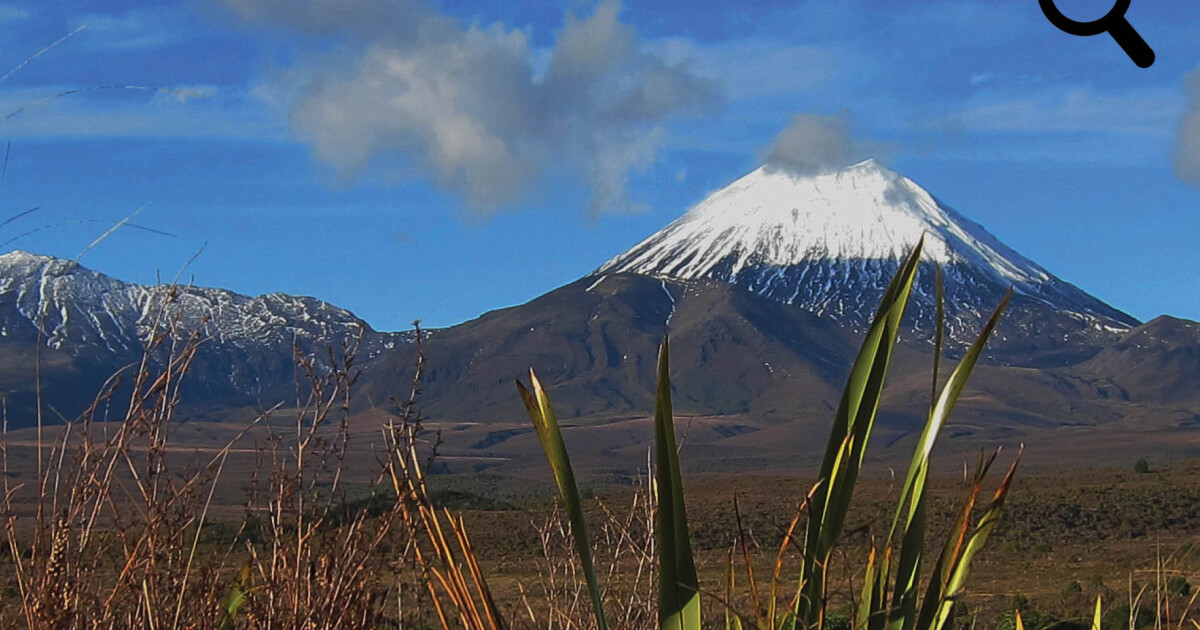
1123, 617
1089, 514
1178, 585
225, 533
465, 500
1033, 619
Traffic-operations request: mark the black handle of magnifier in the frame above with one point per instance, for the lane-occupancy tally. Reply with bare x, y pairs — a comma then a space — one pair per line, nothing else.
1132, 43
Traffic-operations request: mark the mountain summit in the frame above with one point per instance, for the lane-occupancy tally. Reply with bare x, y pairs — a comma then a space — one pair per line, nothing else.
829, 243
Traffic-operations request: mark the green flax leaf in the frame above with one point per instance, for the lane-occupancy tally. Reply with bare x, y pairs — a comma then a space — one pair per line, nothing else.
545, 423
678, 588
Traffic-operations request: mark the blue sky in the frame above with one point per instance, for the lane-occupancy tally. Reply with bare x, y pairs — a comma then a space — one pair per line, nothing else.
433, 159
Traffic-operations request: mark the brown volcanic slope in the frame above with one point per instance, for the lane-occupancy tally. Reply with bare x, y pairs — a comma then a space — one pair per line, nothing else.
1157, 362
595, 345
756, 383
757, 380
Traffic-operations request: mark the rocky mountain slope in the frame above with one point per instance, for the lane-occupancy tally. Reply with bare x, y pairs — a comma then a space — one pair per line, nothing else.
1158, 361
92, 325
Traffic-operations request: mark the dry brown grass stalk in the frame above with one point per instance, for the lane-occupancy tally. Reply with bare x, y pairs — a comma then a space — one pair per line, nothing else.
114, 531
624, 553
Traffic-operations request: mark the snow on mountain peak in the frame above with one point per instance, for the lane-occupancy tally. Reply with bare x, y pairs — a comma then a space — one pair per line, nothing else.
830, 241
863, 212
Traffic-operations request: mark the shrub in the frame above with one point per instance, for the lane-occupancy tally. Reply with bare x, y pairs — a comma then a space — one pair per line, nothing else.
1141, 466
1178, 585
837, 621
1071, 589
1033, 619
1120, 618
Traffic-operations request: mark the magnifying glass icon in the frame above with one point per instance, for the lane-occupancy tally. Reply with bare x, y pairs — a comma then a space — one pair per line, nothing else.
1113, 22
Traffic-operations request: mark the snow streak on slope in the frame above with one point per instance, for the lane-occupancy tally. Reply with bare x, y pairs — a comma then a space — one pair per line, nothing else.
830, 242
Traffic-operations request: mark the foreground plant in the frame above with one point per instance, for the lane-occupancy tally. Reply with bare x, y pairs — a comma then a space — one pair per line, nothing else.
891, 581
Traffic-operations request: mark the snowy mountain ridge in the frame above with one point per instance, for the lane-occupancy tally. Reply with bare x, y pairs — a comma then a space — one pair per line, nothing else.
77, 305
253, 352
94, 326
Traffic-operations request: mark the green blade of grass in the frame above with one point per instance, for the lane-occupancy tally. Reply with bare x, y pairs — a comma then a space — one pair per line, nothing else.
910, 481
868, 604
955, 563
1096, 617
678, 587
545, 423
234, 598
905, 597
848, 439
919, 467
935, 592
982, 532
938, 332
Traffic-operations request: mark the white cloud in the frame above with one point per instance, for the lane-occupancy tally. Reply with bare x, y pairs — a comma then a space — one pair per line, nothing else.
749, 69
982, 78
1071, 109
475, 105
993, 80
136, 29
185, 111
1187, 140
12, 13
1078, 150
813, 144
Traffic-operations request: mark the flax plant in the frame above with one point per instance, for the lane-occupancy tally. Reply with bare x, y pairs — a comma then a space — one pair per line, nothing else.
891, 598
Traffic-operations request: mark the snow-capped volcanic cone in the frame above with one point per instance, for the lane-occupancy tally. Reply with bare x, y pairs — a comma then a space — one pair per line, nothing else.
829, 243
